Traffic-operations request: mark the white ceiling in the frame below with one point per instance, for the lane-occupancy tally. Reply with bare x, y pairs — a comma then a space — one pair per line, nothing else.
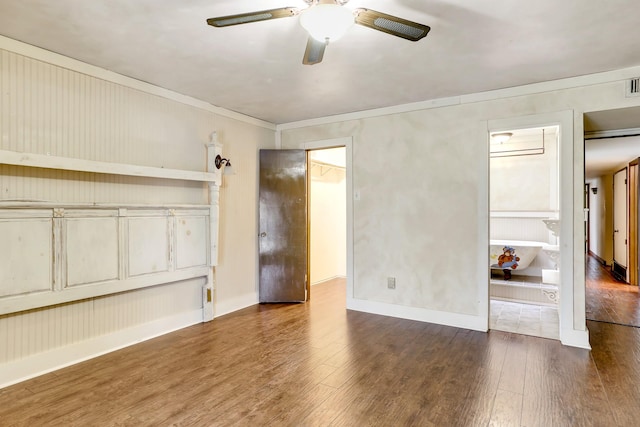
610, 120
606, 156
256, 69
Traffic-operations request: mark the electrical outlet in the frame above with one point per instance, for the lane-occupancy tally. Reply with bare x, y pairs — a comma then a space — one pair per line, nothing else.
391, 282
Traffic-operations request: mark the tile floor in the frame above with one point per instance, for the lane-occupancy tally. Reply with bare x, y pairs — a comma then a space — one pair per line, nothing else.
526, 319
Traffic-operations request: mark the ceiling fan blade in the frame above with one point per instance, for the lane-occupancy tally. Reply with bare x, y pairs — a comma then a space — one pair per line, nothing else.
391, 24
314, 52
246, 18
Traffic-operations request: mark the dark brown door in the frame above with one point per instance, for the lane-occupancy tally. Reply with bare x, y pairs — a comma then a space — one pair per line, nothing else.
283, 226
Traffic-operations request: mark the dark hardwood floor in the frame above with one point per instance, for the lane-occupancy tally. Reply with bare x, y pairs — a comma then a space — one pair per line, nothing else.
317, 364
610, 300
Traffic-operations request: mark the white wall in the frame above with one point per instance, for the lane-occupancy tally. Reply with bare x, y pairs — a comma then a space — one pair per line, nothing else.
526, 183
57, 106
237, 271
416, 217
327, 224
423, 216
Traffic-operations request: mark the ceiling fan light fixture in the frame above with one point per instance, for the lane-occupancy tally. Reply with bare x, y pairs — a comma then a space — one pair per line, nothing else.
326, 22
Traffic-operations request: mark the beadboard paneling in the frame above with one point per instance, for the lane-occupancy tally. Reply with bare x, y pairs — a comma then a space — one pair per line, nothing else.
520, 228
54, 111
525, 293
35, 331
51, 110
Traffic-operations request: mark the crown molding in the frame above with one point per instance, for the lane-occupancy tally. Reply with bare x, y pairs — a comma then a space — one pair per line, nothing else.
525, 90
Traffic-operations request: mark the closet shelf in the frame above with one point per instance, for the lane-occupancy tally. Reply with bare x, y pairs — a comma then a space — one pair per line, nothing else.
325, 167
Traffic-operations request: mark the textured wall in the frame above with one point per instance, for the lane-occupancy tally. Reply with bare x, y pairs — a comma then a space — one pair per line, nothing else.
416, 219
35, 331
423, 180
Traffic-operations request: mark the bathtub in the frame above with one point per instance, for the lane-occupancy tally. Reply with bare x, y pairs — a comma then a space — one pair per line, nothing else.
522, 254
528, 292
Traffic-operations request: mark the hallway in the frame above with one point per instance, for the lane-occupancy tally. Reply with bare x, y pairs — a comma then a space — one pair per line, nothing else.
609, 300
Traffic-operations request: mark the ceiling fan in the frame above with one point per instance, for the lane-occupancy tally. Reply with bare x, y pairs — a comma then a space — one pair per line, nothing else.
328, 20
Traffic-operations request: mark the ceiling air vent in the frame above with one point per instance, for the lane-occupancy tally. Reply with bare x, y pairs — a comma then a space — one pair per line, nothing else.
633, 87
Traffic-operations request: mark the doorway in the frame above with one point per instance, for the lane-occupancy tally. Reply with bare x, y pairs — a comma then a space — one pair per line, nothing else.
273, 246
327, 216
346, 144
524, 213
611, 273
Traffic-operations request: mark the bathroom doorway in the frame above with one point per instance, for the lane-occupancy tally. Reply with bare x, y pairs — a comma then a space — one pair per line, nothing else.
524, 230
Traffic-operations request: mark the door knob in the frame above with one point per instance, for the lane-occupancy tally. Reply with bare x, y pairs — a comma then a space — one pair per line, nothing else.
263, 234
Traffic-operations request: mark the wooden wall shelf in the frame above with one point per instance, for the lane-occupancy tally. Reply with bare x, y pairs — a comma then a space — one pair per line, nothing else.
80, 165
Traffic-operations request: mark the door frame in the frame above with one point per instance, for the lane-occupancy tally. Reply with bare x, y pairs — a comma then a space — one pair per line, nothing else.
347, 143
571, 309
632, 222
626, 226
587, 216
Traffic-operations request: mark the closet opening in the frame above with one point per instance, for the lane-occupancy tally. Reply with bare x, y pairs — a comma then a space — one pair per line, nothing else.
327, 218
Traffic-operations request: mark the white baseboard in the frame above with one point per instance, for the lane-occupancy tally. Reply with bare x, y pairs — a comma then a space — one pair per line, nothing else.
327, 279
235, 304
465, 321
38, 364
574, 338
